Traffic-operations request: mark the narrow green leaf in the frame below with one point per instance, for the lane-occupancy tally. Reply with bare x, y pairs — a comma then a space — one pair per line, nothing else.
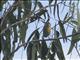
59, 50
8, 41
2, 2
19, 12
74, 40
74, 22
70, 3
23, 28
34, 51
15, 34
44, 50
36, 35
29, 51
50, 1
65, 16
67, 20
36, 42
78, 18
24, 25
78, 15
53, 48
0, 45
51, 56
7, 45
57, 47
11, 18
31, 37
27, 8
1, 6
62, 31
40, 5
35, 5
78, 28
55, 5
37, 15
34, 46
58, 11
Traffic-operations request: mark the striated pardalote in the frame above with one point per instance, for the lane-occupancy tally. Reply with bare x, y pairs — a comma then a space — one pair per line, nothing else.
46, 29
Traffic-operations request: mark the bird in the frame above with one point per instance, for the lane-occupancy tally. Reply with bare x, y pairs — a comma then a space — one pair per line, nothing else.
46, 29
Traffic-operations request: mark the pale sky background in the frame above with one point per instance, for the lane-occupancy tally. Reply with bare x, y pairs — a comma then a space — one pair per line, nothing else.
21, 53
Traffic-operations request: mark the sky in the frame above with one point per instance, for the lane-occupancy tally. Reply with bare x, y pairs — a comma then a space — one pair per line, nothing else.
21, 53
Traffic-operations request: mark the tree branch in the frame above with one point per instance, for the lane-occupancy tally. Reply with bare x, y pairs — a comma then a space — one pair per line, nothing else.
40, 40
58, 38
26, 19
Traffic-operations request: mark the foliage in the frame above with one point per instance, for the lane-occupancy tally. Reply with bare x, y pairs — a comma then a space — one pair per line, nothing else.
15, 21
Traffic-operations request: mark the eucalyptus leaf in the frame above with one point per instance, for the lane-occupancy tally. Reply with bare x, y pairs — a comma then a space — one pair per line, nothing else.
65, 16
37, 15
36, 35
15, 34
33, 33
36, 44
58, 11
78, 16
55, 6
67, 20
74, 22
0, 45
53, 48
44, 50
51, 56
34, 51
62, 31
74, 40
56, 46
2, 2
29, 51
50, 1
40, 5
59, 50
12, 19
22, 30
35, 5
27, 8
7, 46
8, 42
